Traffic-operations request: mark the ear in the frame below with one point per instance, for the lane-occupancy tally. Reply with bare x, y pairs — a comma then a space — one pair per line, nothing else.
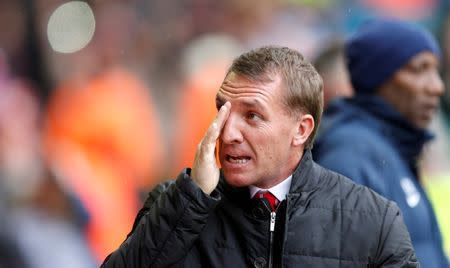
305, 126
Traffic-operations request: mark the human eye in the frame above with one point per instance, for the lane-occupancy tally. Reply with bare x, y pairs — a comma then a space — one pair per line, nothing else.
219, 104
415, 68
252, 116
419, 67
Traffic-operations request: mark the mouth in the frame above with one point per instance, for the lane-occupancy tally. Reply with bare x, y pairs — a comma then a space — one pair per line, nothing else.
430, 110
237, 159
425, 114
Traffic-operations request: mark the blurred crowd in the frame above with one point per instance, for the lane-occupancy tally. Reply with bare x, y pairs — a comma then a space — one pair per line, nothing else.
84, 135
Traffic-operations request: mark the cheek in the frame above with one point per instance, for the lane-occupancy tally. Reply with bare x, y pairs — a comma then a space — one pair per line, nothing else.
261, 145
407, 92
272, 146
268, 140
410, 97
409, 85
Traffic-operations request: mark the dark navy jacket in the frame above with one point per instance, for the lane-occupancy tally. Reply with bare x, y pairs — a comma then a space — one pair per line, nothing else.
366, 140
325, 221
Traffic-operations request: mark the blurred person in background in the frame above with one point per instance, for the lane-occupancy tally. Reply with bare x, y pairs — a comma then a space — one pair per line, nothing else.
102, 130
19, 30
49, 226
330, 64
103, 137
10, 254
39, 217
270, 205
376, 137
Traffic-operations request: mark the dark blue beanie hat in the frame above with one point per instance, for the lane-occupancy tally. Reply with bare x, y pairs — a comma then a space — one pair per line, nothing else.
382, 46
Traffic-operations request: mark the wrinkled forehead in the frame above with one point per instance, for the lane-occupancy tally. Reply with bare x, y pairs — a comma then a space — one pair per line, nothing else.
254, 101
254, 92
254, 76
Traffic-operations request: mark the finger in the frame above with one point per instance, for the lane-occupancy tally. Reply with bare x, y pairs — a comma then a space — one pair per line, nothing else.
222, 116
215, 128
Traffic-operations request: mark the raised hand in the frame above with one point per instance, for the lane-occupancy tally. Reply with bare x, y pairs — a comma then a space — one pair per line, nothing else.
205, 172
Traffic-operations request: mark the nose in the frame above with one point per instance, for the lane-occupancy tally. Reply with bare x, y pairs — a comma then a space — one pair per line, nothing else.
435, 85
231, 132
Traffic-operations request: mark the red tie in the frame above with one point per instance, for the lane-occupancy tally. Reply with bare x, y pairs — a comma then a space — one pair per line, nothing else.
273, 201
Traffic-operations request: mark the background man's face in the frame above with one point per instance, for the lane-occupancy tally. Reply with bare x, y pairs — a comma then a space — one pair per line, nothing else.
255, 146
416, 89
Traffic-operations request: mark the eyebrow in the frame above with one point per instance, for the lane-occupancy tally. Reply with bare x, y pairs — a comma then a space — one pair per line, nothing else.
253, 103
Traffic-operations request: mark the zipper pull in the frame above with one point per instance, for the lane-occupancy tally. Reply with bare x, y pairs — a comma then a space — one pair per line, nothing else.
273, 216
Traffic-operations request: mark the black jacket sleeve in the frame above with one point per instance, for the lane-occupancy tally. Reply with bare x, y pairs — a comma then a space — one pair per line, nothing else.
166, 228
395, 249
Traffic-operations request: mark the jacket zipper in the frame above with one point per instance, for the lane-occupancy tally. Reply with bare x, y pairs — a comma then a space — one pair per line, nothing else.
273, 216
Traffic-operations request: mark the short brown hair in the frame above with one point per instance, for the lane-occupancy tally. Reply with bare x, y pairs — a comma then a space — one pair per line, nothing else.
304, 84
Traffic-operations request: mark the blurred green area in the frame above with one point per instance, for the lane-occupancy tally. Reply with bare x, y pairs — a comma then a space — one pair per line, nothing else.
313, 3
438, 188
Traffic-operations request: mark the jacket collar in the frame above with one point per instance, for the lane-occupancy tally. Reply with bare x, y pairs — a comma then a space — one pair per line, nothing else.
407, 139
303, 179
375, 113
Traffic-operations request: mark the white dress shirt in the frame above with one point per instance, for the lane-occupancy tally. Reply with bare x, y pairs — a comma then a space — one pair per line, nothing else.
279, 191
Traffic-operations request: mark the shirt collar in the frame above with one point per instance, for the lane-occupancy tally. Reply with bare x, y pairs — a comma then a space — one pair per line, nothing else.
279, 191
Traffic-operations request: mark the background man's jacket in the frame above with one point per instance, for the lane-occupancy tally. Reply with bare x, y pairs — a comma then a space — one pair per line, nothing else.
368, 141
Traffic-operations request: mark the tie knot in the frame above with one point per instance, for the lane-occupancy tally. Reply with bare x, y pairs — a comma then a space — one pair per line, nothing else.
273, 201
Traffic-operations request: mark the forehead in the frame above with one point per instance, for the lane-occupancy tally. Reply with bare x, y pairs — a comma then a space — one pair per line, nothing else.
238, 89
425, 57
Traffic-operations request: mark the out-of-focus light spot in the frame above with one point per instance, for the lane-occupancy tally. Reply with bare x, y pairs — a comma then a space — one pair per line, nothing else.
71, 27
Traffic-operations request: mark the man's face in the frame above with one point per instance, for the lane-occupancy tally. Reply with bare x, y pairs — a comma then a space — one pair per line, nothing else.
415, 89
255, 146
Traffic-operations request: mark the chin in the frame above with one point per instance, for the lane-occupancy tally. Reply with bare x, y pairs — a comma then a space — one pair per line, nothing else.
237, 180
